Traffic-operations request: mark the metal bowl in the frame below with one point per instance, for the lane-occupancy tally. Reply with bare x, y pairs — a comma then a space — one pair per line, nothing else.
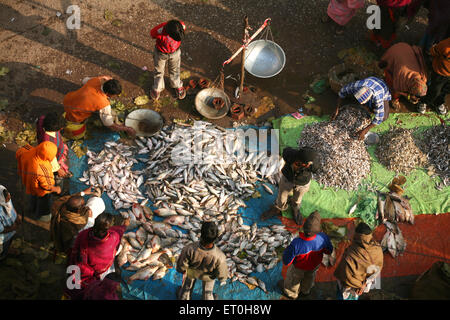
371, 138
152, 118
204, 99
264, 58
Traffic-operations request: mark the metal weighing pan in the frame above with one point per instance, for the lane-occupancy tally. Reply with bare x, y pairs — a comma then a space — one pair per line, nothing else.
264, 58
203, 103
153, 120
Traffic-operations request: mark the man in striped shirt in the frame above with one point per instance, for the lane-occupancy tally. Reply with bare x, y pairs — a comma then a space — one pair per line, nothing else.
372, 93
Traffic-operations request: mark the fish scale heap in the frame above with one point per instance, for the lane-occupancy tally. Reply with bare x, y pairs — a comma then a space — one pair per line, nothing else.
398, 151
344, 160
185, 195
438, 150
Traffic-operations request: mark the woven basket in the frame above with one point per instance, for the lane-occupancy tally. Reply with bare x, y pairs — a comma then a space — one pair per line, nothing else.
337, 83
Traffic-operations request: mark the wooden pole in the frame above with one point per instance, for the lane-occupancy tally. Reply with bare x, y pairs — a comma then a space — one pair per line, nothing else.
244, 39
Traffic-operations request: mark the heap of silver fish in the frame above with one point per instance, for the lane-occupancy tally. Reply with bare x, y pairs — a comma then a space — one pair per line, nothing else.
399, 151
185, 194
344, 160
437, 148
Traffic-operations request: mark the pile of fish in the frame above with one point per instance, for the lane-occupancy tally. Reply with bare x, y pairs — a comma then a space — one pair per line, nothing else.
399, 151
438, 151
344, 160
393, 240
195, 171
111, 169
394, 209
192, 174
155, 246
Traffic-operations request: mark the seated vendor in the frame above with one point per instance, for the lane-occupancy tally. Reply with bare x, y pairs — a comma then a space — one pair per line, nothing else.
405, 72
373, 95
92, 97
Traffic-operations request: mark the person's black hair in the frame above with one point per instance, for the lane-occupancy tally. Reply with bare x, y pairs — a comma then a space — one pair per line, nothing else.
363, 228
74, 203
209, 232
112, 87
5, 193
53, 122
102, 223
175, 29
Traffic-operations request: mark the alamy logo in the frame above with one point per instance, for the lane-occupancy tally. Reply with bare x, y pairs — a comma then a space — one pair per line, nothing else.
374, 20
74, 21
74, 280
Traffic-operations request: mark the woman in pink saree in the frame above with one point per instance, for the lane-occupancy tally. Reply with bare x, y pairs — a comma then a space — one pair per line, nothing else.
342, 11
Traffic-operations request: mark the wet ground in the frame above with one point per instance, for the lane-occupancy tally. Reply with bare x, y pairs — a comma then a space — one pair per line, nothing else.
46, 60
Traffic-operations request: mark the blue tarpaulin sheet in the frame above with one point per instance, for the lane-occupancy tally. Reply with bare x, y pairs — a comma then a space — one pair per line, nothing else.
165, 288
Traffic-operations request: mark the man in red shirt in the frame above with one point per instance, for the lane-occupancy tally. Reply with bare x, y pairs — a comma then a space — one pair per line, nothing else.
303, 256
168, 37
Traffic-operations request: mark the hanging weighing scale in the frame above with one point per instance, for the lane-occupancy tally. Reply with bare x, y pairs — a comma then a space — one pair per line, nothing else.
262, 58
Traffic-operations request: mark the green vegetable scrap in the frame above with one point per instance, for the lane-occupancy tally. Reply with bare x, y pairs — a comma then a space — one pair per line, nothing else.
46, 31
335, 233
143, 78
78, 149
26, 136
141, 100
319, 84
242, 254
113, 65
185, 75
184, 121
308, 99
117, 22
3, 104
4, 71
108, 15
366, 210
256, 195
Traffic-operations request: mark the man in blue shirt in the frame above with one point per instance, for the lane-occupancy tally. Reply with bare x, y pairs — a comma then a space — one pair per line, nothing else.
373, 94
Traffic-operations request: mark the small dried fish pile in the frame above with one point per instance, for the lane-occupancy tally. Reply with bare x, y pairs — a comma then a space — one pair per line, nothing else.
398, 151
344, 160
393, 240
111, 168
438, 151
192, 174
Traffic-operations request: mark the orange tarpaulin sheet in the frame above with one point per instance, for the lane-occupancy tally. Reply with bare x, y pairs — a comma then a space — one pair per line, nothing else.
427, 241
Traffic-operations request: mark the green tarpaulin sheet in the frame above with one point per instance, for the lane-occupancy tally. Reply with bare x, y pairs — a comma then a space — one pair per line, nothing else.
332, 203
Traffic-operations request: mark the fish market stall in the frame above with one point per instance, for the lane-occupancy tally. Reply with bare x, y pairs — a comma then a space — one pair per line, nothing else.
152, 173
155, 184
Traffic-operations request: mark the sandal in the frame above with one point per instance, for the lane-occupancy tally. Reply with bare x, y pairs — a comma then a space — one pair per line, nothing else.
154, 94
422, 108
339, 29
181, 93
442, 109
